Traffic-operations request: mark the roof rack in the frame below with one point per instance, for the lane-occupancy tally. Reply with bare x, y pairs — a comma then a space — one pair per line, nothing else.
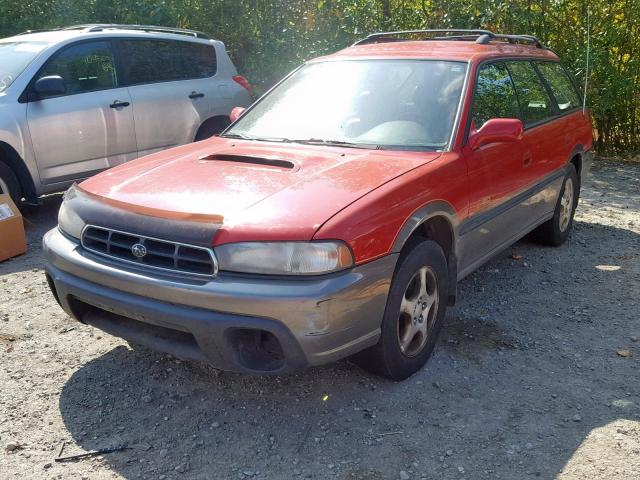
145, 28
481, 37
98, 27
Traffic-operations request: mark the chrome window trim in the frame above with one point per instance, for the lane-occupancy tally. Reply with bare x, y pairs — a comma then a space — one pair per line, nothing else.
152, 267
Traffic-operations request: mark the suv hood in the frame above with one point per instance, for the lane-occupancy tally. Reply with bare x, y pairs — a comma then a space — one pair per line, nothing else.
255, 190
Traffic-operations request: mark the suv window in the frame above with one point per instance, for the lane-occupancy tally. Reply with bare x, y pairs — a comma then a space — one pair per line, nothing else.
151, 61
495, 96
560, 84
84, 67
535, 103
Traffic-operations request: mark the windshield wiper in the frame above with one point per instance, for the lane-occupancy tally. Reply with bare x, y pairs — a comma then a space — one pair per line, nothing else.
237, 135
257, 139
339, 143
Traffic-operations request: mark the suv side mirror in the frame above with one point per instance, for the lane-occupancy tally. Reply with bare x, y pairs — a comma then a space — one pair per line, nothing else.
236, 113
49, 86
497, 130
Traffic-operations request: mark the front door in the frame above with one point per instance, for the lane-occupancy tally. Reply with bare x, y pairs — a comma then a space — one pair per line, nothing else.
90, 127
495, 172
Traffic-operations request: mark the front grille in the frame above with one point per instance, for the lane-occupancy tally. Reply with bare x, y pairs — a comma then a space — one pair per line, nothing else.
160, 254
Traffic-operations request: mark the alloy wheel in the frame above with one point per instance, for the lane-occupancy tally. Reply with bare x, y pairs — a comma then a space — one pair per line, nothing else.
566, 205
418, 311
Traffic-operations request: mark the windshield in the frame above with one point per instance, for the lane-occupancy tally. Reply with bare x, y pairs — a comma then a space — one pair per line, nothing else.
14, 58
406, 104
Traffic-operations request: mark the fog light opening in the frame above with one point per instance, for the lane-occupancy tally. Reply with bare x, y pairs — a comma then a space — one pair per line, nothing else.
257, 349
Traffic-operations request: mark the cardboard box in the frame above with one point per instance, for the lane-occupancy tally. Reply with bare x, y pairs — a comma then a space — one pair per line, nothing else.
12, 238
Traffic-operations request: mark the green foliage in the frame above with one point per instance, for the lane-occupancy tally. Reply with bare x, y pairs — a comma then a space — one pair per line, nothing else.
268, 38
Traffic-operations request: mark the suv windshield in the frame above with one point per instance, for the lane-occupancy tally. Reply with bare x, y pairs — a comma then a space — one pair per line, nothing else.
404, 104
14, 58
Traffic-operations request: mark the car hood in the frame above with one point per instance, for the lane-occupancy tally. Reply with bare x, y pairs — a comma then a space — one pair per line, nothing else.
254, 190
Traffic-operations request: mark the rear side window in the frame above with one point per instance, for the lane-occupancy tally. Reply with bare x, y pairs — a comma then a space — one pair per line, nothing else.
560, 84
85, 67
495, 96
151, 61
535, 103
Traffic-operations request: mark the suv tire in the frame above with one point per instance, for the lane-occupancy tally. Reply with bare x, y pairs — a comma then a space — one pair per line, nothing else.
555, 231
415, 312
212, 127
9, 182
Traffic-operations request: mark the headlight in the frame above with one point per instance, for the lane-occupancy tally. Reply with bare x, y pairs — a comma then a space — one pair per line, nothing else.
284, 258
68, 220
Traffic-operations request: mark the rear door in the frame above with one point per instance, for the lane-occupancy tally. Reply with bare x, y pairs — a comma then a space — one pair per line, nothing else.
171, 89
568, 105
543, 139
89, 128
495, 170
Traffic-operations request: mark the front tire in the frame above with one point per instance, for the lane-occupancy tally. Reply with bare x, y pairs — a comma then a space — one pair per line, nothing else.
414, 314
555, 231
9, 183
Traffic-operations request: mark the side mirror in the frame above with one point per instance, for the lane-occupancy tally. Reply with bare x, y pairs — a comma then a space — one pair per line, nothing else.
497, 130
50, 86
236, 113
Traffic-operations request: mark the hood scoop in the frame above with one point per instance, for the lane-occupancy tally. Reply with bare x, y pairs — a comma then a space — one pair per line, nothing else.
250, 159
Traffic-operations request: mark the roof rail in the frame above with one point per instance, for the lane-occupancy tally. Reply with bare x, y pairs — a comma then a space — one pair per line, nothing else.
481, 37
97, 27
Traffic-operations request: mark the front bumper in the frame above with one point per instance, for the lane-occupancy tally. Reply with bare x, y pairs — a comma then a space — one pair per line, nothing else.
235, 322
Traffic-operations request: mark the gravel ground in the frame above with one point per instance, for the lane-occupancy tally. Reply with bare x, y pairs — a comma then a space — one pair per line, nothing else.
536, 375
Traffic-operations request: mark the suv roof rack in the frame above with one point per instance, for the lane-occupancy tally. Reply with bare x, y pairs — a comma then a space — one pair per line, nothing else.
481, 37
98, 27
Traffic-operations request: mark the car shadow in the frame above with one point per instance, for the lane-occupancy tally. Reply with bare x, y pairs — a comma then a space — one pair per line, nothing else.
525, 369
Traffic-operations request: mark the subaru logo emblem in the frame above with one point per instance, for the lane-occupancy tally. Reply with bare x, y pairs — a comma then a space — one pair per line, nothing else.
139, 250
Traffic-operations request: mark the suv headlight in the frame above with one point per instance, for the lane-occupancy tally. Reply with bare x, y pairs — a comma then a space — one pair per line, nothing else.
68, 220
284, 258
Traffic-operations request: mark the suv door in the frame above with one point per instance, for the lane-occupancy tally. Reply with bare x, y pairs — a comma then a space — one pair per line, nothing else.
495, 170
171, 89
90, 127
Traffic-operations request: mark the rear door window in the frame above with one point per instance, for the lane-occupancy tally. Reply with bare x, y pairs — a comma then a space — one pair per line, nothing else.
199, 60
152, 61
495, 96
534, 100
561, 86
85, 67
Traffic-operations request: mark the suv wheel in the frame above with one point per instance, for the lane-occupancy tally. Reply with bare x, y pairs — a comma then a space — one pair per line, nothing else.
414, 313
556, 230
9, 182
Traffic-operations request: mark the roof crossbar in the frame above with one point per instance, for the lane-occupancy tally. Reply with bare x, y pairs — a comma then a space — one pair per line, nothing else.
482, 37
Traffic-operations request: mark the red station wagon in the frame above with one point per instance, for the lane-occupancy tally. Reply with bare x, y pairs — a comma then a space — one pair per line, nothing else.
336, 215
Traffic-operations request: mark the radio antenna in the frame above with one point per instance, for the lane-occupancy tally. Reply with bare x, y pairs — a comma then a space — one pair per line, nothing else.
586, 72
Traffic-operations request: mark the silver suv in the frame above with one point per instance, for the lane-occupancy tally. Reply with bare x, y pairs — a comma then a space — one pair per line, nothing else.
78, 100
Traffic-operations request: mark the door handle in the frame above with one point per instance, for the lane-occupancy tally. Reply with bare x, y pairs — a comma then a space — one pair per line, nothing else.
196, 95
118, 104
527, 159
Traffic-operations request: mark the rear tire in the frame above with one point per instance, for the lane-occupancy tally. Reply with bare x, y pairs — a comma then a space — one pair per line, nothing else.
414, 314
9, 183
212, 127
555, 231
